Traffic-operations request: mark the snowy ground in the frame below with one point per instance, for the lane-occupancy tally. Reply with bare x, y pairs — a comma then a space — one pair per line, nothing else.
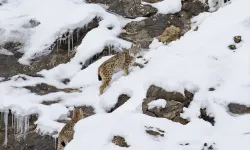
199, 60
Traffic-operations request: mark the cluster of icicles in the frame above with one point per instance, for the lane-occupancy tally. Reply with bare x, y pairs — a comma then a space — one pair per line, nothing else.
20, 125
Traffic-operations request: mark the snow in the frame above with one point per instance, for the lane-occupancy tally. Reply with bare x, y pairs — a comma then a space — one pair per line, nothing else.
166, 6
197, 61
4, 51
159, 103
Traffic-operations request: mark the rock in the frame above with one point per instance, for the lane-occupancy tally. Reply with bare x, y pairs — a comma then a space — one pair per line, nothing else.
43, 89
211, 89
158, 132
9, 63
60, 53
121, 100
205, 117
206, 147
152, 1
66, 81
51, 102
32, 141
170, 34
193, 7
119, 141
175, 102
10, 66
127, 8
32, 23
171, 112
160, 93
238, 109
237, 39
142, 32
232, 47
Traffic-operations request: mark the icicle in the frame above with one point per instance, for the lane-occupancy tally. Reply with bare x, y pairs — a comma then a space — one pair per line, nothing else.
57, 46
12, 120
68, 45
55, 138
77, 34
72, 42
6, 113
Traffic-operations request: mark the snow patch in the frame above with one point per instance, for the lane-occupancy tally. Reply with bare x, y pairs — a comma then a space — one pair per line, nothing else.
167, 6
159, 103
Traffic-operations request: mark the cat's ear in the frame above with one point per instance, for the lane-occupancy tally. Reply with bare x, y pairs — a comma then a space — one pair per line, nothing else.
133, 45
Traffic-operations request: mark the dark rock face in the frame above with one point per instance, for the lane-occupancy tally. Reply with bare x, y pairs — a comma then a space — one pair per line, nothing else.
143, 32
9, 65
238, 109
43, 89
32, 140
127, 8
206, 117
121, 100
175, 102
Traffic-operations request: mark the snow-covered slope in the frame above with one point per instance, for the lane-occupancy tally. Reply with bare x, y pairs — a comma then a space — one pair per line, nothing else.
199, 60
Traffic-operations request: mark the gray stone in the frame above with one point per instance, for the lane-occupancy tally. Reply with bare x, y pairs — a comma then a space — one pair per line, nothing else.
238, 108
127, 8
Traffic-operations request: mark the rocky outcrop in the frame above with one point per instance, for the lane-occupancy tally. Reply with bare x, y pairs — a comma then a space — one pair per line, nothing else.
143, 32
120, 141
60, 52
175, 102
19, 139
43, 89
127, 8
238, 109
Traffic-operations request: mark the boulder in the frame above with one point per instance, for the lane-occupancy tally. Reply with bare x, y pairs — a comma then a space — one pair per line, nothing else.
127, 8
238, 108
142, 32
175, 102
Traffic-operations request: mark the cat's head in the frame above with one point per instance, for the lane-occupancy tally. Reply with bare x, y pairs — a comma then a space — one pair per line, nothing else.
135, 50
